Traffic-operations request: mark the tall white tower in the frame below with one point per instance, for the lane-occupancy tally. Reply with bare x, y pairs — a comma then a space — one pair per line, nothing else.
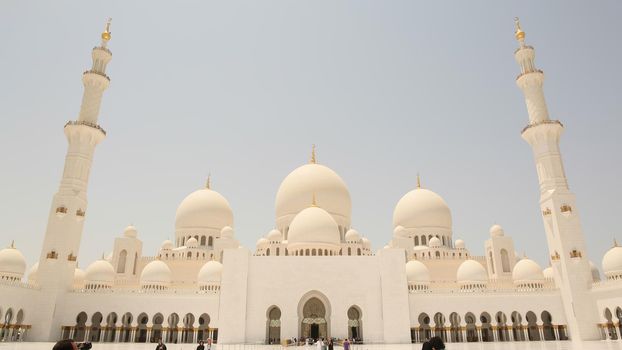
557, 203
61, 243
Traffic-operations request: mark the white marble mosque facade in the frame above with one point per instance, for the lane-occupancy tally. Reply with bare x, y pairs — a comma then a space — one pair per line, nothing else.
422, 283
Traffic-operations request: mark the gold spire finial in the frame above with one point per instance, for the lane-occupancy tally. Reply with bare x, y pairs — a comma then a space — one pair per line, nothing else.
518, 33
208, 183
106, 35
418, 181
13, 244
313, 159
103, 255
313, 200
615, 242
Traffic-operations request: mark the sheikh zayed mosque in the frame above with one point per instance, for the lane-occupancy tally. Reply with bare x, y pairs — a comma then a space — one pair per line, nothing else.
204, 284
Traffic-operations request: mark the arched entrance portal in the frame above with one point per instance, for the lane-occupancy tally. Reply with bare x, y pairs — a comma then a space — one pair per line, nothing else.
354, 324
273, 330
314, 319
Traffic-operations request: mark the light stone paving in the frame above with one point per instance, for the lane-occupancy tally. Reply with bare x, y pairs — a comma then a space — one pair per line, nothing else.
564, 345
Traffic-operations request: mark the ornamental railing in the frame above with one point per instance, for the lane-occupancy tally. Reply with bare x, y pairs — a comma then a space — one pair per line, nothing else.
96, 72
531, 125
89, 124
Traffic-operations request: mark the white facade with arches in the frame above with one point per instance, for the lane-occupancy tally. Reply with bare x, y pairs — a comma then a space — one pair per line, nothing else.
313, 275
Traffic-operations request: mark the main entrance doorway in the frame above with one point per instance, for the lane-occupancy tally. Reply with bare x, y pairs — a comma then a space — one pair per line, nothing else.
314, 323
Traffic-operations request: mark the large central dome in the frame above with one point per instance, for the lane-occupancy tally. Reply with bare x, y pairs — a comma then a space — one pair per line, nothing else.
422, 209
204, 208
299, 187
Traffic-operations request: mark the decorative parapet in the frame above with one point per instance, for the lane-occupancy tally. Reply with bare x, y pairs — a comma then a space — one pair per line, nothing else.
531, 125
89, 124
19, 284
532, 71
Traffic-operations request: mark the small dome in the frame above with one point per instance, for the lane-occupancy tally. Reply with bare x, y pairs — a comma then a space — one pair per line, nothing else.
192, 242
612, 262
421, 208
400, 231
434, 242
417, 272
459, 244
33, 272
595, 272
130, 232
12, 263
527, 270
226, 232
471, 271
275, 236
100, 272
204, 208
79, 278
548, 273
210, 273
352, 236
314, 225
307, 181
262, 242
167, 245
496, 231
156, 272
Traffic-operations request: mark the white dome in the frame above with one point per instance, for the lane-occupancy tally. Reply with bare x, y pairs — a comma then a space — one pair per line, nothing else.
400, 231
211, 272
416, 271
548, 273
612, 262
352, 236
275, 236
167, 245
527, 270
261, 242
226, 232
421, 208
12, 263
130, 232
434, 242
496, 231
33, 272
101, 271
595, 272
79, 278
204, 208
471, 271
314, 225
459, 244
192, 242
299, 187
156, 272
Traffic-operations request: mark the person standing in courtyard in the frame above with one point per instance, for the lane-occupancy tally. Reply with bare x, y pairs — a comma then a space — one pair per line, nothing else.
330, 344
209, 343
201, 346
435, 343
160, 345
346, 344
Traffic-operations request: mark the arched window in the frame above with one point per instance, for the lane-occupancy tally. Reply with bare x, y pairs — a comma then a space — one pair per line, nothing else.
416, 240
423, 240
313, 252
358, 251
122, 261
268, 252
277, 251
210, 241
438, 255
189, 255
505, 261
202, 240
349, 251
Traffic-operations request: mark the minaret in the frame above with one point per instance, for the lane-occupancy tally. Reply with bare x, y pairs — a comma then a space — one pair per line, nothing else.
61, 243
557, 203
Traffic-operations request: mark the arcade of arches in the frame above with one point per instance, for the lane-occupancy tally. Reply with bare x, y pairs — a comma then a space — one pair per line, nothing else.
12, 325
127, 328
487, 328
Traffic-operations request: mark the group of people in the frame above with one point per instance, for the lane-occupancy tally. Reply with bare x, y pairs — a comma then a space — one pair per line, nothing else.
70, 344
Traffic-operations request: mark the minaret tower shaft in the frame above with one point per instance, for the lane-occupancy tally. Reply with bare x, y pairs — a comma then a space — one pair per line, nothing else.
61, 243
561, 218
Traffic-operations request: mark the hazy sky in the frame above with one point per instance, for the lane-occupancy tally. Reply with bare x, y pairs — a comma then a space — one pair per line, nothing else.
242, 89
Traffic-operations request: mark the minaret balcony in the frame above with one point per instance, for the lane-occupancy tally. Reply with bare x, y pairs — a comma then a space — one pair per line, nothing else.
105, 49
96, 72
89, 124
531, 125
531, 71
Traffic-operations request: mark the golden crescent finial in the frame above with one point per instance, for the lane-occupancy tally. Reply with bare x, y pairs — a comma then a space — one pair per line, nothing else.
107, 34
13, 244
615, 242
313, 200
208, 183
418, 181
313, 158
518, 33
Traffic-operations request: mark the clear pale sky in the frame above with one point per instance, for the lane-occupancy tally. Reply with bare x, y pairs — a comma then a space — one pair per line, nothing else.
242, 89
